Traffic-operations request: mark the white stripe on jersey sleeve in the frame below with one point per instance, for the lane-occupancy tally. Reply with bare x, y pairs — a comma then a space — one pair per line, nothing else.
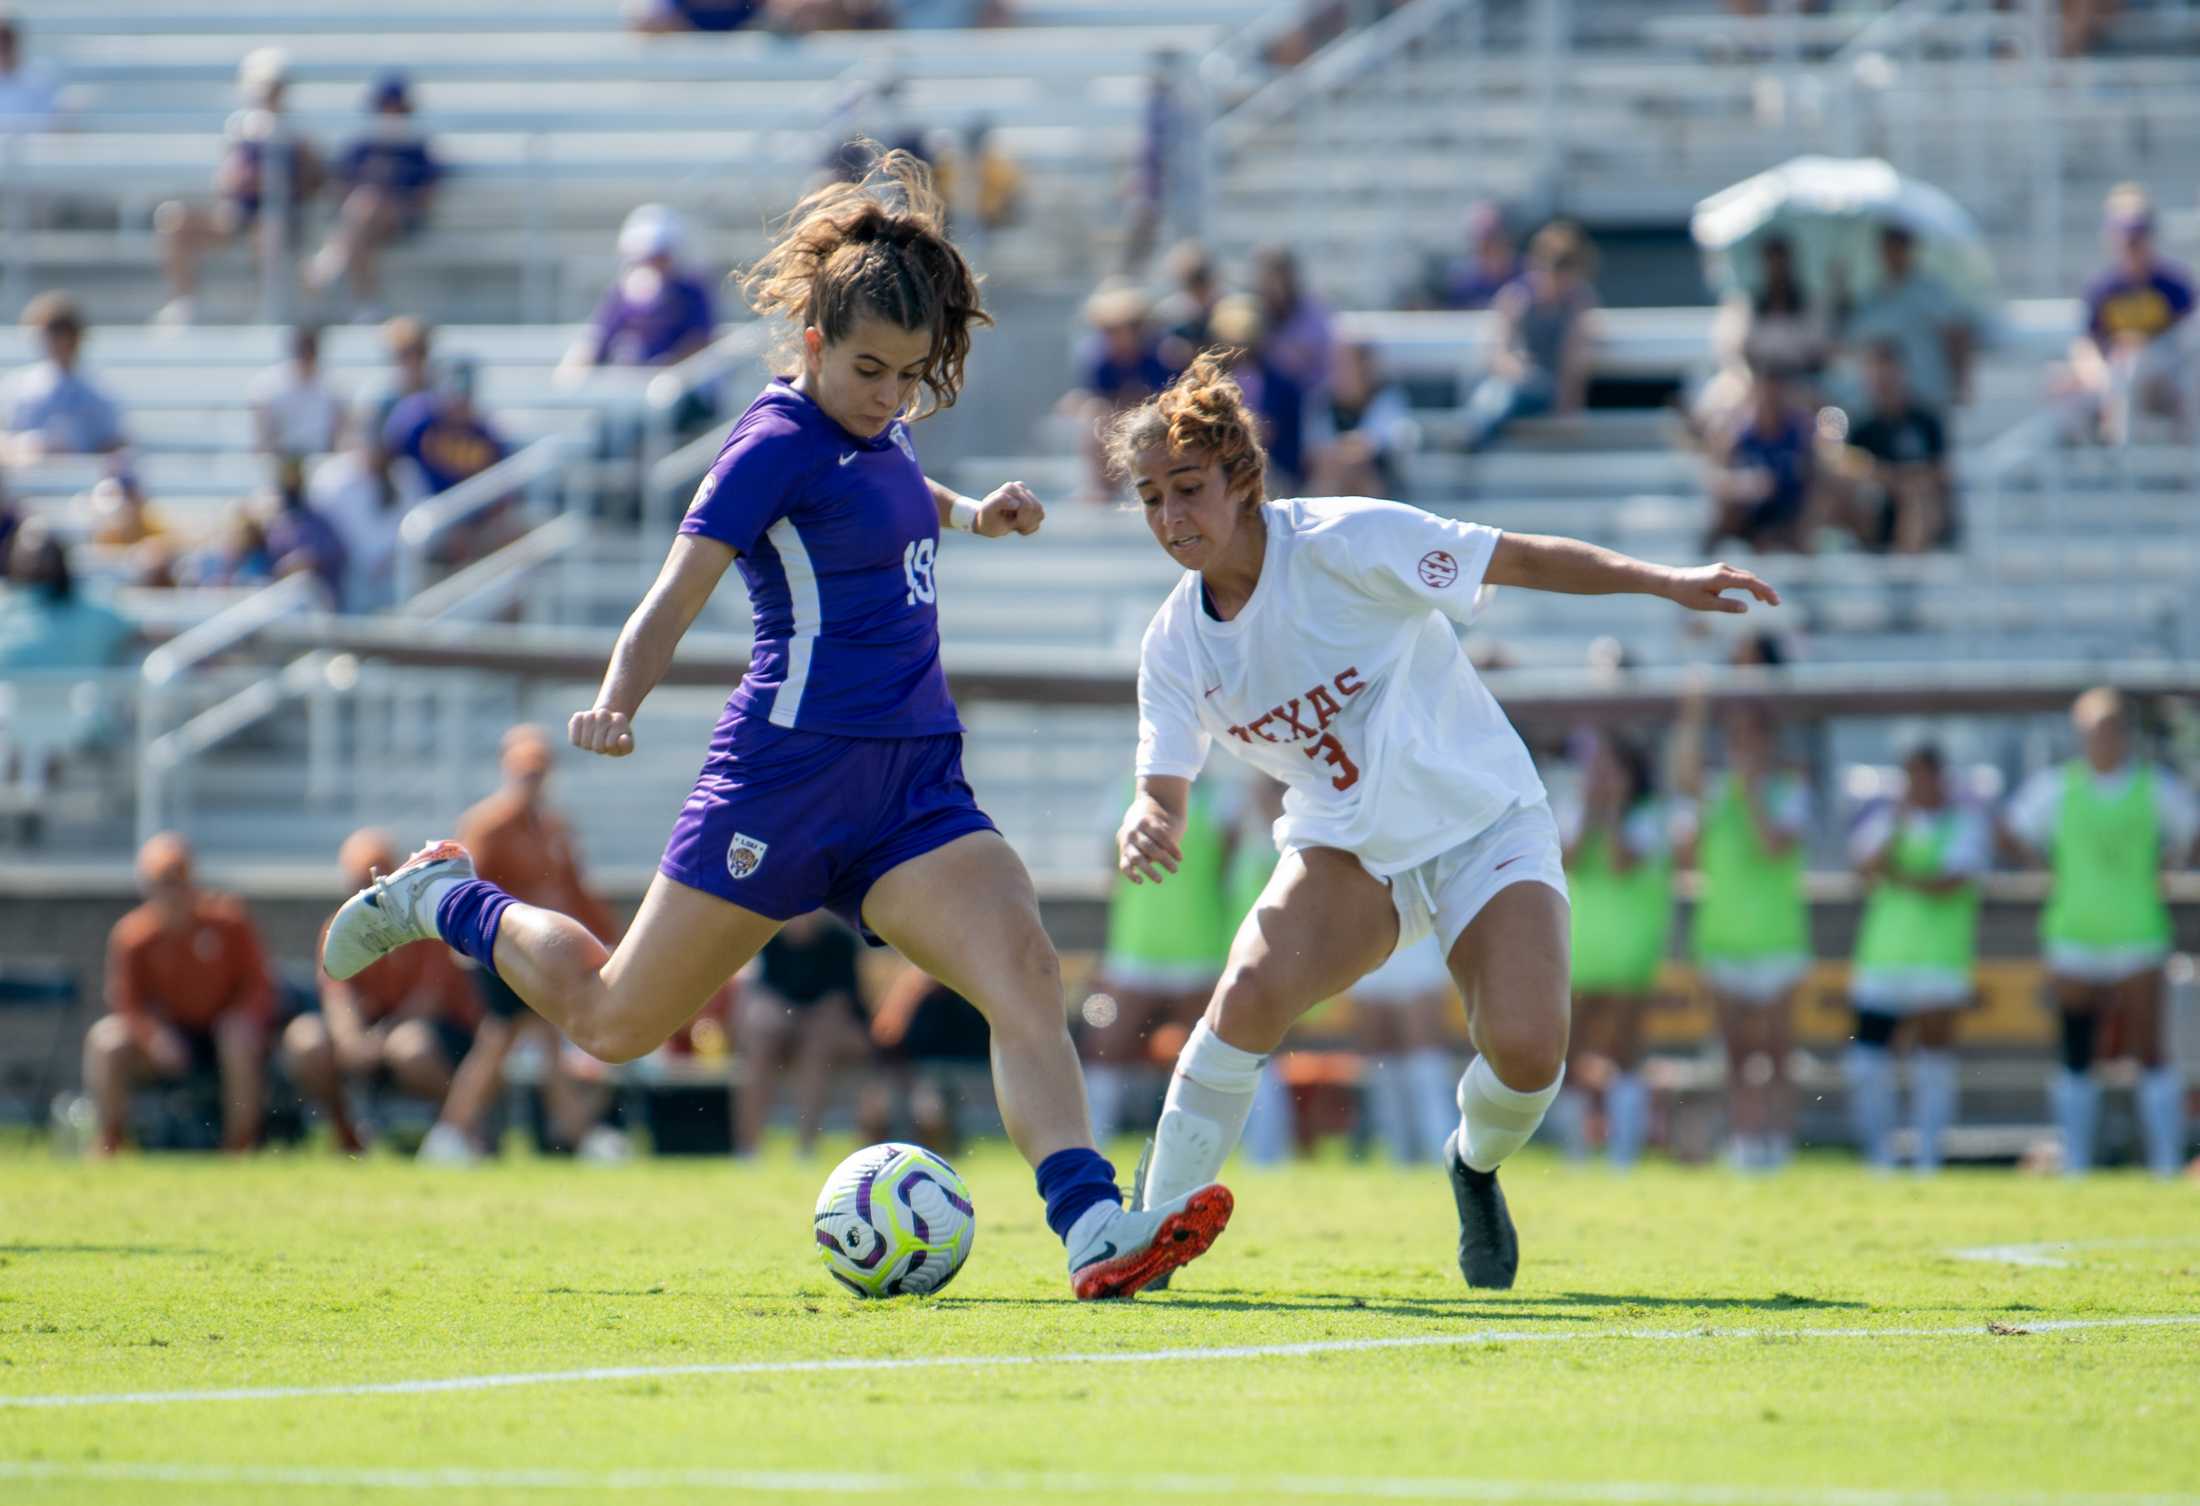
809, 618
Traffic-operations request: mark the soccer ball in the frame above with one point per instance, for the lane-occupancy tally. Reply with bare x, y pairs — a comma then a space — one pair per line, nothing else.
894, 1220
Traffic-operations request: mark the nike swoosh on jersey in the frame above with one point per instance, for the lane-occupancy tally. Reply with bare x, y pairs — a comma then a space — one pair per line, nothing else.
851, 455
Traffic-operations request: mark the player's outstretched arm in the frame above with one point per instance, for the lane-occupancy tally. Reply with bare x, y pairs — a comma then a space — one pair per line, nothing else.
1539, 562
644, 651
1147, 843
1013, 508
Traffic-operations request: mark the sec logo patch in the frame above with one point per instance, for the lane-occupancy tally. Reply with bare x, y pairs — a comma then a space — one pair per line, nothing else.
745, 856
1438, 570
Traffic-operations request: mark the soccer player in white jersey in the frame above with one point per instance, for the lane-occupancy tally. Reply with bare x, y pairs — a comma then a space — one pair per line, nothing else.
1315, 637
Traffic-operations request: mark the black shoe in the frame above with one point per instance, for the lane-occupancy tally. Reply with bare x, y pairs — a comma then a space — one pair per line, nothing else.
1489, 1250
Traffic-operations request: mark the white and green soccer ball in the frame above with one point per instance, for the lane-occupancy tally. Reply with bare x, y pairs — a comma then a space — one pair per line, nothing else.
894, 1220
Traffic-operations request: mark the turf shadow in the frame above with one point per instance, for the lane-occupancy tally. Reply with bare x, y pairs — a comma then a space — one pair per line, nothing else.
1778, 1302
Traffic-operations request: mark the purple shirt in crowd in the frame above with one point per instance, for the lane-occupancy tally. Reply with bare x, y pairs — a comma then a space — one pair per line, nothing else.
836, 537
643, 334
2150, 306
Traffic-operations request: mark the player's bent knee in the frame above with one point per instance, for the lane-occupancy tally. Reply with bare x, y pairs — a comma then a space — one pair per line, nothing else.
1525, 1054
305, 1037
109, 1036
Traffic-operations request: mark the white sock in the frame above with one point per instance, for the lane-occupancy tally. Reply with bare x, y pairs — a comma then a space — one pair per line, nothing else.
1389, 1106
1430, 1079
2162, 1120
1932, 1103
2077, 1101
1494, 1120
1105, 1087
1627, 1118
1087, 1227
1267, 1137
1209, 1098
1870, 1075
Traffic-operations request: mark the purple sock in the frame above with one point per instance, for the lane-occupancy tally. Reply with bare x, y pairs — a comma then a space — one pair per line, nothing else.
468, 918
1072, 1181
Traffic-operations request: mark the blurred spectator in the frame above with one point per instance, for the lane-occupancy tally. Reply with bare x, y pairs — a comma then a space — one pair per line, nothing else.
264, 158
359, 496
1919, 859
124, 520
388, 179
299, 539
1891, 480
1280, 402
1300, 342
1474, 280
1760, 484
801, 17
2135, 353
188, 994
1187, 314
120, 513
2106, 823
1920, 313
46, 623
2084, 23
11, 518
294, 411
441, 433
407, 1021
1162, 180
51, 408
1119, 366
239, 558
30, 92
801, 1004
951, 15
935, 1049
1358, 435
1400, 1024
1544, 337
663, 17
1750, 933
1776, 327
980, 180
406, 341
656, 313
525, 848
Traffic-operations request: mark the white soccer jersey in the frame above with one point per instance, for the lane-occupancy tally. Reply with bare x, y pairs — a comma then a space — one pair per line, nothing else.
1342, 679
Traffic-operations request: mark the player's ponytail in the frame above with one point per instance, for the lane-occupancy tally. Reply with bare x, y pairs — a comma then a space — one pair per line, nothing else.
878, 247
1203, 412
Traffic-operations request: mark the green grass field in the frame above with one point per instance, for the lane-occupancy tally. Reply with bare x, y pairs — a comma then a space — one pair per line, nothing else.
1678, 1336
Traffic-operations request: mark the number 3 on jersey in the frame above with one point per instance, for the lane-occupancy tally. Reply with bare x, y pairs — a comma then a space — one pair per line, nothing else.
916, 569
1332, 752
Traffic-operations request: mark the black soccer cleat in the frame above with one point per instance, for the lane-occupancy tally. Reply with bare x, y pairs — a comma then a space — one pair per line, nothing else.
1489, 1250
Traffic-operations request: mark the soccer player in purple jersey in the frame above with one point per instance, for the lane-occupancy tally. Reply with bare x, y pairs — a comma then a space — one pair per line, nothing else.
835, 776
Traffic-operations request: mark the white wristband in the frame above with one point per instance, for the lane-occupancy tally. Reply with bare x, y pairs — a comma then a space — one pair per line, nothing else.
962, 515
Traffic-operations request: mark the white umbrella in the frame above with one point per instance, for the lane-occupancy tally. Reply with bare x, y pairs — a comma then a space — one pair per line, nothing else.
1831, 210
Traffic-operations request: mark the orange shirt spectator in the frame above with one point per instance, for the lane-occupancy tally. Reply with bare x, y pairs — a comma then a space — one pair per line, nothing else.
190, 975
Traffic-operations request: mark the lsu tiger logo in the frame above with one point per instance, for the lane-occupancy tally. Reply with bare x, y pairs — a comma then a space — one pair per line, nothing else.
745, 856
901, 442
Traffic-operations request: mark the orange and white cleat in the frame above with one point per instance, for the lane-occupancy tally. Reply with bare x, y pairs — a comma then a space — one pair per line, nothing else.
388, 913
1132, 1250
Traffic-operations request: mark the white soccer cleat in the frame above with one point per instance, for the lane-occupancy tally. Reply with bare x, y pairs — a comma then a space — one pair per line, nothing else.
447, 1145
1127, 1252
387, 914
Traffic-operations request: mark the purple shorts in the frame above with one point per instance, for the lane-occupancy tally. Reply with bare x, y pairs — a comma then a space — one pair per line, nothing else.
783, 822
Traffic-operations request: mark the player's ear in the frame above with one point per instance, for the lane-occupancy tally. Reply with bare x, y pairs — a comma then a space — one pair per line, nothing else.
813, 343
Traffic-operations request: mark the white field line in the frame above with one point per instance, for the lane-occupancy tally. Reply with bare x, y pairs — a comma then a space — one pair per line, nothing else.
1117, 1487
1118, 1357
2050, 1253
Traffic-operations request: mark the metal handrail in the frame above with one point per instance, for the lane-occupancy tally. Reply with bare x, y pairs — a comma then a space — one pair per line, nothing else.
427, 522
230, 626
476, 583
1343, 60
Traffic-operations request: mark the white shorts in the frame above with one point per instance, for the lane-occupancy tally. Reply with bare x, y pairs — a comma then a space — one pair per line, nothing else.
1443, 895
1158, 977
2103, 964
1908, 990
1758, 980
1413, 972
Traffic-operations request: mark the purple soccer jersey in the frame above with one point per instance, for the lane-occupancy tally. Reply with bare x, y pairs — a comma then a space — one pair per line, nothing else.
836, 537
